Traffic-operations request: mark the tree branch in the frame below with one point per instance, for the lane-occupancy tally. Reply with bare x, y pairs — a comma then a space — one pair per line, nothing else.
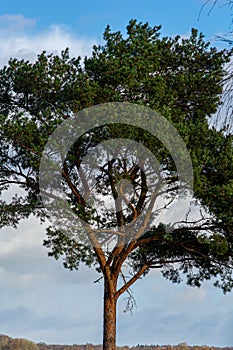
73, 188
132, 280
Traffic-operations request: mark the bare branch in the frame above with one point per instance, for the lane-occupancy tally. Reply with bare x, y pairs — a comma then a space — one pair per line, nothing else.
132, 280
130, 300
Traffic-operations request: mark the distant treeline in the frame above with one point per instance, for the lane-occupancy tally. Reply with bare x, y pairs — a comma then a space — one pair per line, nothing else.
8, 343
182, 346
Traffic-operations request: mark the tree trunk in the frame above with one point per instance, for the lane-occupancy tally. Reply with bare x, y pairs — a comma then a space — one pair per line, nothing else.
110, 301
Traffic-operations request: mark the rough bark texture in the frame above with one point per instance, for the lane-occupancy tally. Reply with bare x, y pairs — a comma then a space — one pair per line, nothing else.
110, 301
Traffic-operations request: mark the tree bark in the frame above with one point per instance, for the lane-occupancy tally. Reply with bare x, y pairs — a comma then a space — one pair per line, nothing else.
110, 301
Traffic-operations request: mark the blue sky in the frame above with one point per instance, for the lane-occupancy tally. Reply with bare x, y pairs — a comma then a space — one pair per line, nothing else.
38, 298
89, 17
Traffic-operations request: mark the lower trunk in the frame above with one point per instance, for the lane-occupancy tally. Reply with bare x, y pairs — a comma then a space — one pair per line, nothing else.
109, 341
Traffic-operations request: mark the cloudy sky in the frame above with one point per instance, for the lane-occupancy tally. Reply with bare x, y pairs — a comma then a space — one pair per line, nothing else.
41, 300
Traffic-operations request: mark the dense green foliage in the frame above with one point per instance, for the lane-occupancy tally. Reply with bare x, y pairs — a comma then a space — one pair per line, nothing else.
179, 78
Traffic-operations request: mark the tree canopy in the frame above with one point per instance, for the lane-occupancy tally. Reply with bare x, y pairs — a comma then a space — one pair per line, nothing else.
179, 78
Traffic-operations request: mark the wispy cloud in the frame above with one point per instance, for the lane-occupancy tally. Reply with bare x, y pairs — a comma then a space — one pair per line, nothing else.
19, 38
12, 24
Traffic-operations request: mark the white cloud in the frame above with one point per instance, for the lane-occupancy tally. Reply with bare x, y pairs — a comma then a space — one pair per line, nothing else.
37, 290
42, 301
20, 39
11, 24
